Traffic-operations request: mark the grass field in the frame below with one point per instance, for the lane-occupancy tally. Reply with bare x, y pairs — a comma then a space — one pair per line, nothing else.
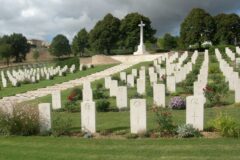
120, 148
9, 91
65, 148
115, 121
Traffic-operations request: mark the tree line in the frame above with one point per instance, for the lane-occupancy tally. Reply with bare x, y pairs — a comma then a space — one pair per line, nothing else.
14, 46
111, 34
200, 26
108, 34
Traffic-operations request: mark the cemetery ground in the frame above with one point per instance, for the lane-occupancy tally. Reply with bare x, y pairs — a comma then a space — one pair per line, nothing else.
113, 140
48, 148
118, 122
10, 91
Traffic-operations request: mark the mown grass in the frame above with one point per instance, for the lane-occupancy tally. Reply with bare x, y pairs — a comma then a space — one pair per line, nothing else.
48, 148
65, 148
120, 120
10, 91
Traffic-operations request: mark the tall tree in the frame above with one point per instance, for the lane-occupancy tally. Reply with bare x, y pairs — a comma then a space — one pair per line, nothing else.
6, 52
80, 42
197, 27
19, 46
169, 42
130, 30
105, 34
227, 28
60, 46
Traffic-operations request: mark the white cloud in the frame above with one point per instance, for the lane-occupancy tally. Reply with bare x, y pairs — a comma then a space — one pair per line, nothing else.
44, 19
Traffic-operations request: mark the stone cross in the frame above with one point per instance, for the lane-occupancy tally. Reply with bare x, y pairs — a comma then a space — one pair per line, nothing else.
141, 25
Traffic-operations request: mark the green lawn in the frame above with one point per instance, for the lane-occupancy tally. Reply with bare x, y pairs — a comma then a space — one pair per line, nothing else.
48, 148
115, 121
9, 91
64, 148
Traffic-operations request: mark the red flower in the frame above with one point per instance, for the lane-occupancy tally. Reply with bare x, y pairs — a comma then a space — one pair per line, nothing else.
71, 96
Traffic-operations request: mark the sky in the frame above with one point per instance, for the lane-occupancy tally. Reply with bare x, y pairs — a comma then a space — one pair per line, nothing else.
44, 19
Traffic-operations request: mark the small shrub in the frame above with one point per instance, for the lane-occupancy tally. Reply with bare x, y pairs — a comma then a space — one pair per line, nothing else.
213, 68
71, 106
121, 83
131, 136
84, 68
103, 105
24, 121
143, 134
137, 96
75, 94
121, 132
88, 135
99, 86
69, 62
116, 77
227, 126
105, 132
177, 103
150, 91
164, 122
5, 124
215, 92
64, 74
99, 94
187, 131
61, 125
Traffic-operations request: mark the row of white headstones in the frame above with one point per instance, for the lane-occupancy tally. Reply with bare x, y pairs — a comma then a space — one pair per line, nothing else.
231, 76
195, 103
232, 55
33, 75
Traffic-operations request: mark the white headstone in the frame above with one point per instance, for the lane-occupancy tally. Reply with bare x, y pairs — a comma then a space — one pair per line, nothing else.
171, 84
108, 82
135, 72
159, 95
87, 94
113, 88
123, 76
88, 117
56, 99
198, 88
195, 111
237, 92
142, 74
153, 78
238, 62
44, 117
130, 80
138, 115
121, 97
141, 86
